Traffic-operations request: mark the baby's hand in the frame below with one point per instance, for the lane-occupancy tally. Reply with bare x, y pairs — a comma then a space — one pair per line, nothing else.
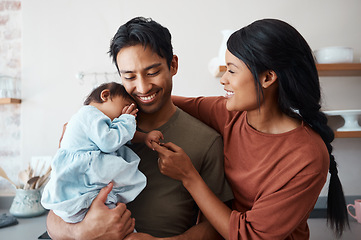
153, 136
130, 109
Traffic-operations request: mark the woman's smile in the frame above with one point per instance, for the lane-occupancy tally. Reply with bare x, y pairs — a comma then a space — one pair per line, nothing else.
229, 94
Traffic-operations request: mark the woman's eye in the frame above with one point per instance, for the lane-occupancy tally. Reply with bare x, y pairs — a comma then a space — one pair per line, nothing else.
230, 71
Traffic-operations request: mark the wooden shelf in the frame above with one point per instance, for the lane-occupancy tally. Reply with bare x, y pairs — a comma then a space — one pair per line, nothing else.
220, 71
9, 100
339, 69
336, 69
351, 134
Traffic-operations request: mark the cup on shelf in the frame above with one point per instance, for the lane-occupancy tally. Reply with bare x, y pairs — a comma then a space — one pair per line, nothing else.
350, 117
357, 207
7, 87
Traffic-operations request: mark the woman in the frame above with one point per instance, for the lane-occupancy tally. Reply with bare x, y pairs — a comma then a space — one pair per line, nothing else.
276, 140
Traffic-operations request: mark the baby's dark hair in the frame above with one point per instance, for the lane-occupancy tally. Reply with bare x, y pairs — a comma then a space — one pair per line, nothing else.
114, 88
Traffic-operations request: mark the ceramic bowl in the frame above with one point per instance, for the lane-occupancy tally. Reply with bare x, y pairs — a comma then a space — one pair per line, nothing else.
350, 117
334, 55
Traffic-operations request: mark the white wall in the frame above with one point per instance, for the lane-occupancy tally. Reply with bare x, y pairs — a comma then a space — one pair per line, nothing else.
63, 37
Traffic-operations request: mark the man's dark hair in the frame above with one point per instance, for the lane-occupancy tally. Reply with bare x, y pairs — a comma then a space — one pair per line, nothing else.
143, 31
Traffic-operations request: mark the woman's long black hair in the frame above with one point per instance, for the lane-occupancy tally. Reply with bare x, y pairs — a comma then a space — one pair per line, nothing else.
272, 44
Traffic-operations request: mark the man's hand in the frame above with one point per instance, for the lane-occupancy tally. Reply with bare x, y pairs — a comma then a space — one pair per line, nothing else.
108, 223
99, 223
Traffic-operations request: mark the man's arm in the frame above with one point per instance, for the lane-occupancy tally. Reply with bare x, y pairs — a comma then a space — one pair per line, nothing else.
58, 229
99, 223
202, 231
62, 134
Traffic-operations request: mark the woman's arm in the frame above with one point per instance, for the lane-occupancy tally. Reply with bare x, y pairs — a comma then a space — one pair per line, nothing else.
174, 162
99, 223
210, 110
201, 231
214, 209
284, 205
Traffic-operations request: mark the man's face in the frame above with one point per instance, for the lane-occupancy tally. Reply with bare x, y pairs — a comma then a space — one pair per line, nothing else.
146, 76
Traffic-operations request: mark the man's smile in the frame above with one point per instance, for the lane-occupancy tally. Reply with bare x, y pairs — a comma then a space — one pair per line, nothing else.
148, 98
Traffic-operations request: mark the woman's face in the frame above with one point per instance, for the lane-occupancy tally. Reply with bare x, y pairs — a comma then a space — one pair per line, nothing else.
238, 82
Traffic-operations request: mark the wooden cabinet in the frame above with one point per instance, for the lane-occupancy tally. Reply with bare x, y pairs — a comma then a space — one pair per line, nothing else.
338, 70
328, 70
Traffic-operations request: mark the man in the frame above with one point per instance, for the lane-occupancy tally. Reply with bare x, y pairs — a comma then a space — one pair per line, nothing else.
143, 54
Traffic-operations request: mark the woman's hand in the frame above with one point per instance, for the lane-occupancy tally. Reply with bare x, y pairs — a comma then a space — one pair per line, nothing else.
174, 162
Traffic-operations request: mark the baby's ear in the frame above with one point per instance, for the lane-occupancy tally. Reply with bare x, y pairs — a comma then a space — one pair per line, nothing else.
105, 95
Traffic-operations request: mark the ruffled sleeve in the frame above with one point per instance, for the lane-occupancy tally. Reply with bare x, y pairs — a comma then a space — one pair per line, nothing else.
109, 135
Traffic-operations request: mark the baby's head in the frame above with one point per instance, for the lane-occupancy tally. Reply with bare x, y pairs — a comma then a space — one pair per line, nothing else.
110, 98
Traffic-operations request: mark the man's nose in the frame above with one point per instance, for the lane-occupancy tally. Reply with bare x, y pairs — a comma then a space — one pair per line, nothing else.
143, 86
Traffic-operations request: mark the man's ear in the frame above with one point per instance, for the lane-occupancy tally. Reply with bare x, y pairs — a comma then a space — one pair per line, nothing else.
269, 77
104, 95
174, 65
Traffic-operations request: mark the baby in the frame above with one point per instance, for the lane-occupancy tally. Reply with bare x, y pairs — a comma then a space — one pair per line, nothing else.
93, 153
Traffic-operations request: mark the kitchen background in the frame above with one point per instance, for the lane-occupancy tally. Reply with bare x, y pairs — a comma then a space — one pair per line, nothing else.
47, 45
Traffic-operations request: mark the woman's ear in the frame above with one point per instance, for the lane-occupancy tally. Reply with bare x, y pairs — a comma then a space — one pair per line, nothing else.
104, 95
269, 78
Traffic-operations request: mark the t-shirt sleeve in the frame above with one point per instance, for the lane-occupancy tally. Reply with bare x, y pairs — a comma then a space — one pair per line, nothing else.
212, 171
210, 110
279, 210
109, 135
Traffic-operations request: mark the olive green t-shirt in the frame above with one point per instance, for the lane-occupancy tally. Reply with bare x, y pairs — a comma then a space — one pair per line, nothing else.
165, 208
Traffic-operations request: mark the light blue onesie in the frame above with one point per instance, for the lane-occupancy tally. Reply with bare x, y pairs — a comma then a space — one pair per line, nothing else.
92, 154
